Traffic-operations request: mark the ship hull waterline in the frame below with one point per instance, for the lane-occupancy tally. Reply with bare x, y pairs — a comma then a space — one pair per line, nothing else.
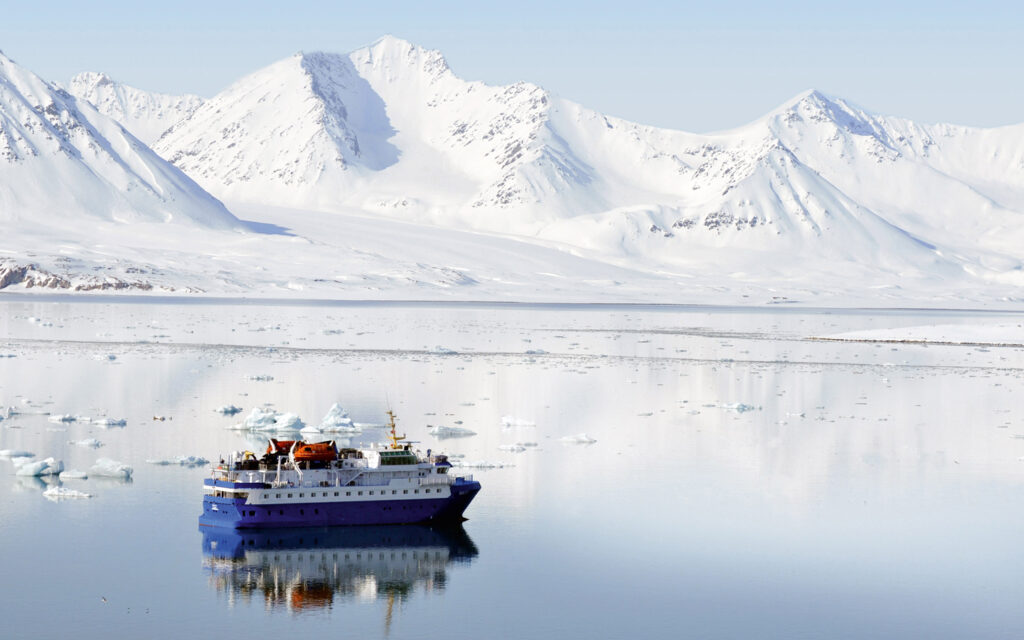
234, 513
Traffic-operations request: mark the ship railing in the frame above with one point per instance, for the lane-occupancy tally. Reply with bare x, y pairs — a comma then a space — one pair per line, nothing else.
431, 481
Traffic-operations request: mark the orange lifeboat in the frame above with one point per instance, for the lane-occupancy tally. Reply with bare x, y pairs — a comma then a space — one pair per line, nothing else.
315, 451
280, 447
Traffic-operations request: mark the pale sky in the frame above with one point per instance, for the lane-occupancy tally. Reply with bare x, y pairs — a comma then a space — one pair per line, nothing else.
698, 68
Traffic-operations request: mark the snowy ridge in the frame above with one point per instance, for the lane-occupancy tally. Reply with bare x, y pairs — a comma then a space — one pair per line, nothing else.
145, 114
390, 130
62, 163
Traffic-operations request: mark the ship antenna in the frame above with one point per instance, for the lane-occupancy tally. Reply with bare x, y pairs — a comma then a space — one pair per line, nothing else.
394, 437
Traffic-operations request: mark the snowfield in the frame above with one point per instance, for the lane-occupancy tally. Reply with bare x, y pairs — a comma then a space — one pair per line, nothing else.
380, 174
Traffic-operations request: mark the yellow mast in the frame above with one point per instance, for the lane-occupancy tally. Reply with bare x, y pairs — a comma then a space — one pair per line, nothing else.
394, 437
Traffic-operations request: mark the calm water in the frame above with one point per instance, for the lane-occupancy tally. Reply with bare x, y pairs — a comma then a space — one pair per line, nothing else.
872, 490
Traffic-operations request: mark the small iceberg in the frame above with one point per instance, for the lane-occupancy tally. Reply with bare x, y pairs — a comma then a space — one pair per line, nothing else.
442, 431
739, 407
182, 461
270, 420
510, 421
228, 410
479, 464
16, 453
62, 417
47, 467
110, 422
337, 421
579, 438
73, 474
111, 469
63, 493
91, 443
260, 378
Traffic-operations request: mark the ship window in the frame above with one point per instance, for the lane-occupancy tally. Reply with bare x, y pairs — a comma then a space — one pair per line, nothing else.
302, 495
252, 513
282, 512
316, 511
289, 495
416, 490
335, 494
360, 493
266, 495
302, 512
405, 491
278, 495
394, 491
348, 493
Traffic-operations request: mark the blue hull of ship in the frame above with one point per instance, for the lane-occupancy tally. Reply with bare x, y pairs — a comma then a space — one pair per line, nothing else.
235, 514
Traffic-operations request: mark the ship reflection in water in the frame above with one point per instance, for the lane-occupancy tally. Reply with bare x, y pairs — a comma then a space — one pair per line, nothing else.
310, 569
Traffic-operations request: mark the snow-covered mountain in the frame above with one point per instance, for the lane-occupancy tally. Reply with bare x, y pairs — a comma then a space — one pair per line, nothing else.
144, 113
62, 162
390, 130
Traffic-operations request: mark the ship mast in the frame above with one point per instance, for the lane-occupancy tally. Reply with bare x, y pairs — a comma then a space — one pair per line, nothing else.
394, 437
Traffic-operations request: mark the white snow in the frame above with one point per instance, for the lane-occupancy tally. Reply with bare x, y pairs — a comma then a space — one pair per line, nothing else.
111, 469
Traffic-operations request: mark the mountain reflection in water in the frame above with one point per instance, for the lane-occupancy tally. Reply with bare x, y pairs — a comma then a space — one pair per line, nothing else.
307, 569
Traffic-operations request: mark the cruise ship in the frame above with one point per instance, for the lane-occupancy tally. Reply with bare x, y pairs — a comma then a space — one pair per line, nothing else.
299, 484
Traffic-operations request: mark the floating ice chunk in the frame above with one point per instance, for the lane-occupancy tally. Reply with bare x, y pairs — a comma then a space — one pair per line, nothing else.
228, 410
63, 493
110, 422
184, 461
288, 422
16, 453
260, 378
62, 417
526, 444
479, 464
47, 467
514, 448
111, 469
109, 357
258, 419
739, 407
73, 474
311, 429
579, 438
510, 421
337, 421
87, 442
444, 350
442, 431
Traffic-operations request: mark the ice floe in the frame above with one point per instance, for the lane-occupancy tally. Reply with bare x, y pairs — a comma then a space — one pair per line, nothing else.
441, 431
63, 493
73, 474
228, 410
259, 378
47, 467
738, 407
511, 421
183, 461
478, 464
514, 448
110, 422
62, 417
16, 453
87, 442
579, 438
111, 469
